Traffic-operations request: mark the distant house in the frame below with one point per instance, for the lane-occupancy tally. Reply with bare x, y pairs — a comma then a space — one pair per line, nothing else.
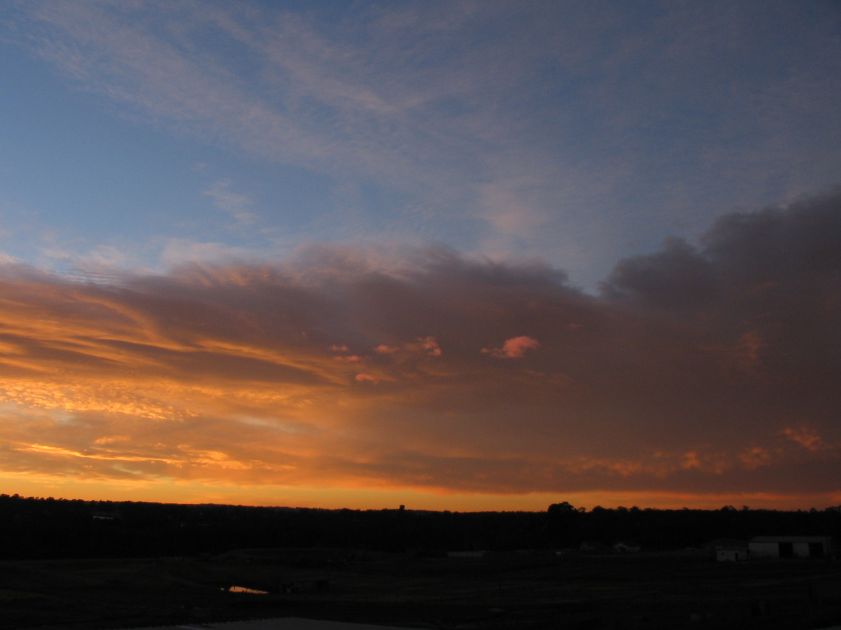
776, 547
727, 549
622, 547
731, 553
105, 516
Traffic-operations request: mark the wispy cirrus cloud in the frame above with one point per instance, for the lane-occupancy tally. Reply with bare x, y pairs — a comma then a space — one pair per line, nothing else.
542, 128
236, 204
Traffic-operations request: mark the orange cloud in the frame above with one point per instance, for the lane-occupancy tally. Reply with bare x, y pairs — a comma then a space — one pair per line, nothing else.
691, 461
226, 379
755, 457
428, 345
422, 346
513, 348
350, 358
806, 437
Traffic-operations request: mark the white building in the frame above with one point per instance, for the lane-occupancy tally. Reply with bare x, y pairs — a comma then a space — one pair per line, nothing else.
790, 547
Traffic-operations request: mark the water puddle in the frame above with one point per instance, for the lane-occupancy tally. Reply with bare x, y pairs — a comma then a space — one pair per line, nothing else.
245, 589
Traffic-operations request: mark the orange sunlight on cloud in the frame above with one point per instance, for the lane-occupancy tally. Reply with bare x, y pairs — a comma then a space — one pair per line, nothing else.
443, 383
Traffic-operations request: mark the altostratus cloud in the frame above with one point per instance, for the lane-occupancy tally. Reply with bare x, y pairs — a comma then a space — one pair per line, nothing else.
696, 370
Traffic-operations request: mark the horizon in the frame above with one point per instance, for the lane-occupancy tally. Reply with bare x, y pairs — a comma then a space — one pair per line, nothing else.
466, 255
402, 508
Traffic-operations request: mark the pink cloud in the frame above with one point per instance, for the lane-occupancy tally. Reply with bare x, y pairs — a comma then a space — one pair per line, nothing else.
430, 346
513, 348
422, 345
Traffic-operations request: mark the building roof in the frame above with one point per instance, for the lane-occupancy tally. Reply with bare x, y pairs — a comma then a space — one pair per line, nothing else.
792, 539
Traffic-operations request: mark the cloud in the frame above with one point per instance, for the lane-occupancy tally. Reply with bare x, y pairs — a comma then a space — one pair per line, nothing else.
425, 345
514, 348
755, 457
364, 377
502, 128
806, 437
698, 371
237, 205
350, 358
177, 252
422, 346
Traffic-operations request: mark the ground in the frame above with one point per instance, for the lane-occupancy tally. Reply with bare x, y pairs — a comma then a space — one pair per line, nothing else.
500, 591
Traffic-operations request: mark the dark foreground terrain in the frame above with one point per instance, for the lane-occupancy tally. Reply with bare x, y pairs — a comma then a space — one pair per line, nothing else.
83, 564
500, 590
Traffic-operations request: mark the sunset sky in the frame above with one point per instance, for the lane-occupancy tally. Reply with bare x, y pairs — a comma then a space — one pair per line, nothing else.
456, 255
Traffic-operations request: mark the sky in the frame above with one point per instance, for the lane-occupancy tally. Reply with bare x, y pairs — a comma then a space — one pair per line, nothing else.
454, 255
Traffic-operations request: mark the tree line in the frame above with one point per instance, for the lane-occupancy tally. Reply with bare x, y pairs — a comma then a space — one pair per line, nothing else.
55, 528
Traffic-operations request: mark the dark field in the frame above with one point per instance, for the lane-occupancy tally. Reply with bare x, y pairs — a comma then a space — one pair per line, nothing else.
501, 590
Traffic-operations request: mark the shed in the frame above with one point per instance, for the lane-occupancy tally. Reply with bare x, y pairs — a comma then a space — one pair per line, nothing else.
776, 547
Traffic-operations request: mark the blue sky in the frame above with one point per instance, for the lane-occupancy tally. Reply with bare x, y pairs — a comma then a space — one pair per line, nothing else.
140, 135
